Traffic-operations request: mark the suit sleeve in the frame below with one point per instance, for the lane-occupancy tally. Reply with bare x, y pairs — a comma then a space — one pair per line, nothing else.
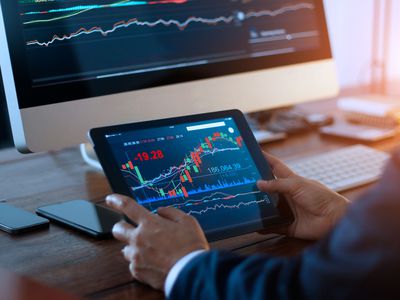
360, 259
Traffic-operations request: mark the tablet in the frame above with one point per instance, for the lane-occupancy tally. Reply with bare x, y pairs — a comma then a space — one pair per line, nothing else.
206, 165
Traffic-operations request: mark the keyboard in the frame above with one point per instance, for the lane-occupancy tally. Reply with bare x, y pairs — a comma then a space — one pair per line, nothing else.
343, 169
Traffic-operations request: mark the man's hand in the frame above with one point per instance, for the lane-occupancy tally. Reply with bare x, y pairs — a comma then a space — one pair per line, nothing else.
316, 208
158, 241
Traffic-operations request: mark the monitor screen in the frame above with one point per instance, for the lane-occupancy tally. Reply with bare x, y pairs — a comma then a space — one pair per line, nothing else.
77, 49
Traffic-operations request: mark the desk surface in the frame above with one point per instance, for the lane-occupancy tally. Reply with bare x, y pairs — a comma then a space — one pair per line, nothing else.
94, 269
16, 287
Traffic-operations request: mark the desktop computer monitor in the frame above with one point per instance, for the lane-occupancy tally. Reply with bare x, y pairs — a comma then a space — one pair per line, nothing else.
69, 66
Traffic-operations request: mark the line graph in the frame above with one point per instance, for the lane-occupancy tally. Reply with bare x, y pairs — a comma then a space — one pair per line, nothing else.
217, 196
227, 206
80, 9
180, 25
214, 197
124, 3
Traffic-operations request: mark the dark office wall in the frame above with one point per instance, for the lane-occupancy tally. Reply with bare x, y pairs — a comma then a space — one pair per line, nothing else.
5, 132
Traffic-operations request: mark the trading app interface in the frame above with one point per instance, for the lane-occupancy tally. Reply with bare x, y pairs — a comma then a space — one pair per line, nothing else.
204, 169
75, 40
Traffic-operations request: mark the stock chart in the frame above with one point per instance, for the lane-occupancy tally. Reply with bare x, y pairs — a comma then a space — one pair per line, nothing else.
206, 172
85, 39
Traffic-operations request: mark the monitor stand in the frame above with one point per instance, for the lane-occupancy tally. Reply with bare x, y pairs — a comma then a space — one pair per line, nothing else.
90, 157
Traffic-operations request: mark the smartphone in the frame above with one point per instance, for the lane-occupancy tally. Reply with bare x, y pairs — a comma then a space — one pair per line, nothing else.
15, 220
82, 215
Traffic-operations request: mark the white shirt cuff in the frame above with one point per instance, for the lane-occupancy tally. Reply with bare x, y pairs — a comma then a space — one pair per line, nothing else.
176, 269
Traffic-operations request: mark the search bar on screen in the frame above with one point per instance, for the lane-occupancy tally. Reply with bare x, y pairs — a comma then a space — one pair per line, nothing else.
205, 126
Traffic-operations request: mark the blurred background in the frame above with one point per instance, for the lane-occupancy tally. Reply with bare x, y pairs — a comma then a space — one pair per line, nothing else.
365, 38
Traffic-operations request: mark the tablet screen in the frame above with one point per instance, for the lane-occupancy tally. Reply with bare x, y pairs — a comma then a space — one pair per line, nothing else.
203, 168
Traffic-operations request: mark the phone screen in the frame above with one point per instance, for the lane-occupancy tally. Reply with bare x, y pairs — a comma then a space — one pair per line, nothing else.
13, 219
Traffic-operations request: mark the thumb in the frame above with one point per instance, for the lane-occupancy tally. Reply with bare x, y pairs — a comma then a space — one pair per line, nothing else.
171, 213
279, 168
282, 185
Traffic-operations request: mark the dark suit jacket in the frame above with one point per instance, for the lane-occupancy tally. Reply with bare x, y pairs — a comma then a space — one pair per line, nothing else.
359, 259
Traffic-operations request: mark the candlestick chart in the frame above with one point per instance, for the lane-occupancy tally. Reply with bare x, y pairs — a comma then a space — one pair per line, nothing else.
171, 184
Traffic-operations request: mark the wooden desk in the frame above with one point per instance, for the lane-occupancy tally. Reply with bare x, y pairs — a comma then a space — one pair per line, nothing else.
95, 269
16, 287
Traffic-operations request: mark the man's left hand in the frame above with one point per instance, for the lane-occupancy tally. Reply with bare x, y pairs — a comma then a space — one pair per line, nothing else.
158, 241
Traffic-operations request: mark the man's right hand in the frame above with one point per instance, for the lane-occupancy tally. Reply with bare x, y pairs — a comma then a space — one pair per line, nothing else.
316, 208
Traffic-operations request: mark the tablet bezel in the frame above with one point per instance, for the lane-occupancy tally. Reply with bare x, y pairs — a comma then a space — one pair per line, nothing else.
118, 184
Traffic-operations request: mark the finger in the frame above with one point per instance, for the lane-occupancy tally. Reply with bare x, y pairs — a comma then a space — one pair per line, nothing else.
134, 273
123, 231
129, 207
282, 186
171, 213
129, 253
280, 169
